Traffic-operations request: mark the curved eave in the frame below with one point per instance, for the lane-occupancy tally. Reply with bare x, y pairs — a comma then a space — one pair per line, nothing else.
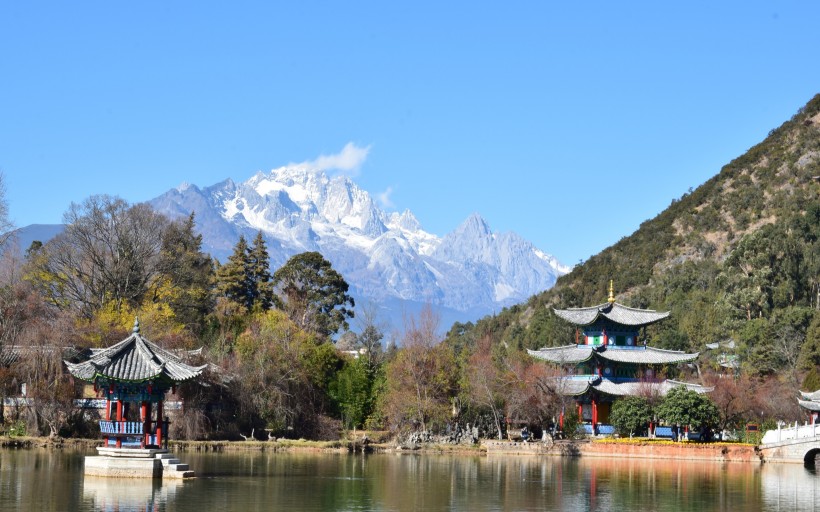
697, 388
569, 354
614, 312
814, 396
569, 387
811, 405
648, 356
85, 375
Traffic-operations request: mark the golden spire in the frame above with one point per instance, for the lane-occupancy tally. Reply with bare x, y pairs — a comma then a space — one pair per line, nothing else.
611, 298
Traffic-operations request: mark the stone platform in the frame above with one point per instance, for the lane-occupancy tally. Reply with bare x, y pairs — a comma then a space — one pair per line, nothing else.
136, 463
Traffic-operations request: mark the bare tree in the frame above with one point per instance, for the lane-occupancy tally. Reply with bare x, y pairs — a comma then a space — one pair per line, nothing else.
372, 333
420, 380
109, 251
487, 382
6, 225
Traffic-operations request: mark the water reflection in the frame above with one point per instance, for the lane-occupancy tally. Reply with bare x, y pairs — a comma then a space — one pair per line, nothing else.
791, 487
53, 480
120, 494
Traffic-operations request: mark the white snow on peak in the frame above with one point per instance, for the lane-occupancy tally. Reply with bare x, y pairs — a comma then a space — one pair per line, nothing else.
383, 254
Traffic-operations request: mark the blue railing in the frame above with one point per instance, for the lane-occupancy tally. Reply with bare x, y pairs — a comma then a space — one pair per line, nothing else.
664, 432
606, 430
121, 427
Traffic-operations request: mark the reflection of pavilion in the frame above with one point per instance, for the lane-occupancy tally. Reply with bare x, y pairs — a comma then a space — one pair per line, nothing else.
608, 360
134, 375
116, 494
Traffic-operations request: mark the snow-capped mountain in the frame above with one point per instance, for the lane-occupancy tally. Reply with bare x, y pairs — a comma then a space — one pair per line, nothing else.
384, 256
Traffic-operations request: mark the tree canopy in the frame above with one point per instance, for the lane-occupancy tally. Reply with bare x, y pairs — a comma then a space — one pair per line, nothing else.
313, 294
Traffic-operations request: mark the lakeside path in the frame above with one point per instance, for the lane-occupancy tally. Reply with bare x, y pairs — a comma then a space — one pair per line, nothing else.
634, 448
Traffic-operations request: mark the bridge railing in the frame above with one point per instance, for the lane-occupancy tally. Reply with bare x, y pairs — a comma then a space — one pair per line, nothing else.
791, 433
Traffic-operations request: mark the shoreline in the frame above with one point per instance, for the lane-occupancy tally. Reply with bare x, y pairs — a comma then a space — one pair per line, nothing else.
646, 449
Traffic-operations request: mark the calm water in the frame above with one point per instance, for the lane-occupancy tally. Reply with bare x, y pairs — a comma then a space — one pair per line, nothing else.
43, 480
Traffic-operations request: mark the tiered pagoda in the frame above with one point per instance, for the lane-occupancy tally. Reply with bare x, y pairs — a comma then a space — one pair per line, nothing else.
610, 359
811, 403
134, 376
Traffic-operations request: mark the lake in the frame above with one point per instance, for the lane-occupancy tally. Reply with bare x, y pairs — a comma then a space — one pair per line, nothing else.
53, 480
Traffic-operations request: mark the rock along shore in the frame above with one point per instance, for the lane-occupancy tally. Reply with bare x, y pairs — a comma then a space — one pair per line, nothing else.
717, 452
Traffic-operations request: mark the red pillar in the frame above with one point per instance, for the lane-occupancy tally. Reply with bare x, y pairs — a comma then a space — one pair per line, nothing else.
144, 420
119, 422
594, 415
159, 423
107, 416
580, 413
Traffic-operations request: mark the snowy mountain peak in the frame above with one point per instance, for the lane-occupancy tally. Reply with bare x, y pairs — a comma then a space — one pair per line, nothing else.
474, 226
384, 256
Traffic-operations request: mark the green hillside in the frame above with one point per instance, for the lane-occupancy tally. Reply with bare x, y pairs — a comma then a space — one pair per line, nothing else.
737, 258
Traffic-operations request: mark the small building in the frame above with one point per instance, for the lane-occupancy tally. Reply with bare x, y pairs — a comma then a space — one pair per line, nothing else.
811, 403
609, 359
133, 377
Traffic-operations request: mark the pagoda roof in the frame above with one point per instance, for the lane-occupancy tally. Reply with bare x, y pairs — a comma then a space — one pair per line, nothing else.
636, 388
811, 396
613, 311
812, 405
636, 355
135, 359
573, 386
562, 355
646, 355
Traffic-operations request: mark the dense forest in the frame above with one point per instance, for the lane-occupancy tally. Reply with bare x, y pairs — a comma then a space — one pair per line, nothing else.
736, 261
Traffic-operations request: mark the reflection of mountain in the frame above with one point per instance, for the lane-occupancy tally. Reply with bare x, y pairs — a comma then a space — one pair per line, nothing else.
386, 257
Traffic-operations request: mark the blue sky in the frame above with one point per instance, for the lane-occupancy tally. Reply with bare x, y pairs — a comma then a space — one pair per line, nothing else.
570, 123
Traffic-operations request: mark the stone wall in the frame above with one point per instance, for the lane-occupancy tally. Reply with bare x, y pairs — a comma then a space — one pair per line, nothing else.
649, 450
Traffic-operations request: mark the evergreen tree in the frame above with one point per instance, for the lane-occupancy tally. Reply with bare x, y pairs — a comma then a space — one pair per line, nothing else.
313, 294
630, 415
259, 276
189, 272
232, 278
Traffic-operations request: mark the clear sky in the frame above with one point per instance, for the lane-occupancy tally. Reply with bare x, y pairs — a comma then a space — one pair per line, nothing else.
570, 123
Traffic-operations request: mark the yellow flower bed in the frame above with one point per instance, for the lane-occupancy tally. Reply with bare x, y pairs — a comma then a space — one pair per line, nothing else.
646, 440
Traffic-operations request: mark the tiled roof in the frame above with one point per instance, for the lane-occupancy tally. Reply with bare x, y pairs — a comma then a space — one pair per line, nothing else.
811, 405
613, 311
632, 388
635, 355
565, 354
573, 387
811, 396
646, 355
134, 359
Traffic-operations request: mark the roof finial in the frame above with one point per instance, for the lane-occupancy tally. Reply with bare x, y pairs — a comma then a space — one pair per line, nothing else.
611, 298
136, 328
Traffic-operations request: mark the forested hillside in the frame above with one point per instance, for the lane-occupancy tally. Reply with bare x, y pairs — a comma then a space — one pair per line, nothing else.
737, 258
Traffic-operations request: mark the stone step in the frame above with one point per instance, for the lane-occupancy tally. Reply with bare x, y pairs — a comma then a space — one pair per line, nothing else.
169, 462
177, 467
165, 456
178, 474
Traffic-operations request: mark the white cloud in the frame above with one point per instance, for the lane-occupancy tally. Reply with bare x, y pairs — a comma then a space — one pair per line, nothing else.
384, 198
348, 161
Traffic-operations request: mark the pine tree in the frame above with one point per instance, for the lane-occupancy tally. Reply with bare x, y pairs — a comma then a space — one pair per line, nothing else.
232, 278
313, 294
259, 276
189, 272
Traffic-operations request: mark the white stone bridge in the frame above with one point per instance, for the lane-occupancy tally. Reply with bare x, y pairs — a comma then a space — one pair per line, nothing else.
793, 444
